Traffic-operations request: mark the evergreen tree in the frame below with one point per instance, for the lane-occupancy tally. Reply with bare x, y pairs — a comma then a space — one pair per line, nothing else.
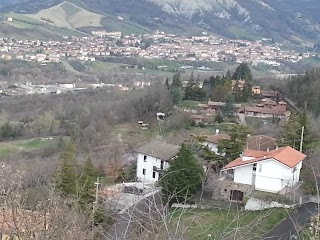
176, 82
7, 131
291, 132
166, 84
86, 182
221, 88
67, 171
176, 91
193, 91
247, 92
228, 75
229, 110
183, 178
243, 72
237, 92
233, 147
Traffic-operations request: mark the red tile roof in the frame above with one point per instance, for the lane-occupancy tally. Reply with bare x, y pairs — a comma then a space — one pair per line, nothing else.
262, 110
286, 155
261, 142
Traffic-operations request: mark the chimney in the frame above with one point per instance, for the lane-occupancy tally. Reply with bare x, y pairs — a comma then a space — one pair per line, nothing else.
277, 147
268, 149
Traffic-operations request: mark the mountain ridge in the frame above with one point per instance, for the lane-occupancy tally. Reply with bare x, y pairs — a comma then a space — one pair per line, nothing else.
282, 20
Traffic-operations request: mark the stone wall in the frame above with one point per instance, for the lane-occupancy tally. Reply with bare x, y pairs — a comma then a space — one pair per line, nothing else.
223, 189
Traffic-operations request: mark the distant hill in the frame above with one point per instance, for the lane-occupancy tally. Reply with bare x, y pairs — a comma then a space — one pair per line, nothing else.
68, 15
283, 20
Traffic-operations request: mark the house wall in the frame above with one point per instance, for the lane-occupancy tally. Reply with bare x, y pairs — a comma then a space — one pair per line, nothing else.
212, 146
273, 176
148, 166
244, 174
297, 173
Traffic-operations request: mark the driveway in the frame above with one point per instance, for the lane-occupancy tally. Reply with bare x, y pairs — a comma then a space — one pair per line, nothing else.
289, 226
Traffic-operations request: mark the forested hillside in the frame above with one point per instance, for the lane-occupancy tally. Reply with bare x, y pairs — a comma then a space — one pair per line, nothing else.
304, 90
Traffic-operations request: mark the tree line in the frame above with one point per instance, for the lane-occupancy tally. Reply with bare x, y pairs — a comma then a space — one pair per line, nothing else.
217, 88
304, 90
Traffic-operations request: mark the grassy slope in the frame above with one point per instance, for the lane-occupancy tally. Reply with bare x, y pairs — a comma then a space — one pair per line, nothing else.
68, 15
24, 26
66, 19
218, 223
7, 148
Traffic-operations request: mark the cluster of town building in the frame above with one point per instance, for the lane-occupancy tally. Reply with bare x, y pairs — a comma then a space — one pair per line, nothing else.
262, 166
157, 45
266, 104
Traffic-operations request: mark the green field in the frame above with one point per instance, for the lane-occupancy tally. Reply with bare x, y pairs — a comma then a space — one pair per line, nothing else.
105, 67
24, 26
7, 148
225, 224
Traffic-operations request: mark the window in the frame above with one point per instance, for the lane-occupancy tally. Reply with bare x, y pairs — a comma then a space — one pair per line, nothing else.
144, 171
154, 175
162, 163
260, 167
144, 158
254, 167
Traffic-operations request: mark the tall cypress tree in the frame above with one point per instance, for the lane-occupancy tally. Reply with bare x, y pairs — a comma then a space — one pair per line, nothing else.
67, 170
176, 91
86, 182
183, 178
166, 84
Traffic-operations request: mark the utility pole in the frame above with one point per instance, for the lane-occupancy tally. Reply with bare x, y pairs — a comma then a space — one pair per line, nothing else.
94, 205
301, 139
97, 183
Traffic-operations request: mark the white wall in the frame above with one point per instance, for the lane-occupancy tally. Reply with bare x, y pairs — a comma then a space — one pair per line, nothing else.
273, 176
243, 174
212, 146
148, 166
268, 184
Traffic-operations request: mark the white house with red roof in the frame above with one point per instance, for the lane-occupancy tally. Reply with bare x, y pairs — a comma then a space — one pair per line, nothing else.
269, 171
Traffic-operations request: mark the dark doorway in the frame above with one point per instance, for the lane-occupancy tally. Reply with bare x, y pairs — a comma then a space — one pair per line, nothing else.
236, 195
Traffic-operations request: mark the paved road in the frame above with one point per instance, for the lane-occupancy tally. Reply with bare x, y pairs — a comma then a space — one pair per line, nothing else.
288, 227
